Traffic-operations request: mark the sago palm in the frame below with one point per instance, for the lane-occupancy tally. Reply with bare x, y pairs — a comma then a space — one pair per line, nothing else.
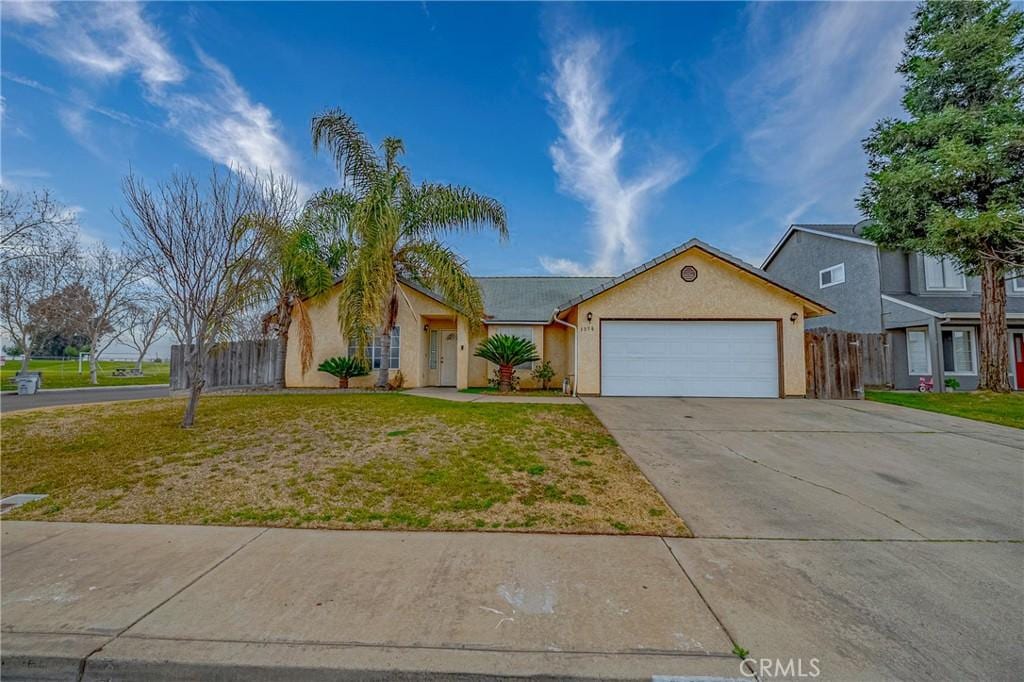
344, 368
506, 352
396, 229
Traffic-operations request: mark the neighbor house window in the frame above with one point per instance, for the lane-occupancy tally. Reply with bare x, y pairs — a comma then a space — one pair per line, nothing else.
1017, 283
832, 276
373, 353
521, 332
943, 274
958, 351
919, 359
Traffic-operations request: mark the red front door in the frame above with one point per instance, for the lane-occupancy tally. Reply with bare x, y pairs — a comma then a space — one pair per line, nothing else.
1018, 359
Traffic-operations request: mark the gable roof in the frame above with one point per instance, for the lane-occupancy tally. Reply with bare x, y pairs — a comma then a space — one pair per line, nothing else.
849, 232
530, 299
692, 244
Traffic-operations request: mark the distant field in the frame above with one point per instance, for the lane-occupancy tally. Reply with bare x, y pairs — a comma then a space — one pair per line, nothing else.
64, 373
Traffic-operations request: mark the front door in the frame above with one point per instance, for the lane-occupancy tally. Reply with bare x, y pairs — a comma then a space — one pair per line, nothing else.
1018, 359
448, 366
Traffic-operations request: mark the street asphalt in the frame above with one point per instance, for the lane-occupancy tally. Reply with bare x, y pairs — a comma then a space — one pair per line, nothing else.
12, 402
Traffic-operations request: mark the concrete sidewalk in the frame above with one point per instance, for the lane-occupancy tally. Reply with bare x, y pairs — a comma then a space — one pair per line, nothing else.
98, 601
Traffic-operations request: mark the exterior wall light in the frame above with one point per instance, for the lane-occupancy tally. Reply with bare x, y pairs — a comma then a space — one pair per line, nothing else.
590, 316
794, 317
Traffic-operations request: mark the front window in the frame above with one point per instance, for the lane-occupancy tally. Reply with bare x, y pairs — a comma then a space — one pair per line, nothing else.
1017, 283
943, 274
832, 276
958, 351
521, 332
919, 359
374, 353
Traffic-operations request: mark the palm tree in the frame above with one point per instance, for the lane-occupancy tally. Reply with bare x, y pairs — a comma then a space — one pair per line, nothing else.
396, 229
506, 352
305, 254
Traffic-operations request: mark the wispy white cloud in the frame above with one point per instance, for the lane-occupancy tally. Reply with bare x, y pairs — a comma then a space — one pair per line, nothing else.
206, 105
28, 12
588, 159
820, 80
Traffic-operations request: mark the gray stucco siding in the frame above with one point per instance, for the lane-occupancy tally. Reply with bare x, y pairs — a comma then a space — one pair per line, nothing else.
801, 259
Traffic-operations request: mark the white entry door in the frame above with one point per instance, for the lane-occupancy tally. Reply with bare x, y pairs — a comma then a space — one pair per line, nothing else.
449, 369
668, 358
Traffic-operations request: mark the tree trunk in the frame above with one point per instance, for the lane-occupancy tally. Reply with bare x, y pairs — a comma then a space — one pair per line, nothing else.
138, 363
26, 355
93, 379
193, 403
505, 378
342, 382
284, 321
197, 381
994, 370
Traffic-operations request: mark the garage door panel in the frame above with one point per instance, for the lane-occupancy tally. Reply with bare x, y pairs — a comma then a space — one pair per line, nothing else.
689, 358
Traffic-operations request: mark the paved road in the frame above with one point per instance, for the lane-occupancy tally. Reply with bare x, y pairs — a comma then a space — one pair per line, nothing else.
881, 540
47, 398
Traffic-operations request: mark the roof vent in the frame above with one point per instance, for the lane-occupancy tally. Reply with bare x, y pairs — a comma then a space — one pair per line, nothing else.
688, 273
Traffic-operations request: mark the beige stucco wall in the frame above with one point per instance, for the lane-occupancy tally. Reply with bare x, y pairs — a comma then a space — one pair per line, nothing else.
721, 291
328, 342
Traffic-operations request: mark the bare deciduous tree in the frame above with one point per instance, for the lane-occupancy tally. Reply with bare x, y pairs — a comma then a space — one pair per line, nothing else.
27, 221
26, 281
147, 324
203, 247
110, 278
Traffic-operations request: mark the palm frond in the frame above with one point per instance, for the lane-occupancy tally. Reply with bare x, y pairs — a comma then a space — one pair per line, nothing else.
393, 147
305, 325
437, 209
441, 269
353, 154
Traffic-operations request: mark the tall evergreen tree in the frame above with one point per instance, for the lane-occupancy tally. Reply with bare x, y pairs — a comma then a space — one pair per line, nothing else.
949, 180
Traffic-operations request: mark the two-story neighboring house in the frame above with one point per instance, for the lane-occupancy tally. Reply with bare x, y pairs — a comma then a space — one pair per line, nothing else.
930, 308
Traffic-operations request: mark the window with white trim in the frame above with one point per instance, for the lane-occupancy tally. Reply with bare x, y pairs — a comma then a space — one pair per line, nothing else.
832, 276
522, 333
958, 351
374, 352
1017, 283
919, 359
943, 274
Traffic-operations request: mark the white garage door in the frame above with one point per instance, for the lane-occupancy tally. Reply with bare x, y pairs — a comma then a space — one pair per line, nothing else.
714, 359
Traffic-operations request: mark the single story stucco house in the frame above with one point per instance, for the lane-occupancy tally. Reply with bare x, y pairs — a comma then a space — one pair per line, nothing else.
692, 322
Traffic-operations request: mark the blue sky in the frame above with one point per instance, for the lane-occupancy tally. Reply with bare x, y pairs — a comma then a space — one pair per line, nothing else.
611, 132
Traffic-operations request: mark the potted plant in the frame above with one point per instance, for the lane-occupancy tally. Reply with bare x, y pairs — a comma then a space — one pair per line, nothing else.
344, 368
951, 384
506, 352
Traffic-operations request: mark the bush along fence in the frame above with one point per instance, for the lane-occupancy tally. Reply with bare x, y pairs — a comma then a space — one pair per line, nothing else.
234, 364
840, 363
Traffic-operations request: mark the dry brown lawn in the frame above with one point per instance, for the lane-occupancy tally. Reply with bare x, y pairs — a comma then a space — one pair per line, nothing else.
331, 461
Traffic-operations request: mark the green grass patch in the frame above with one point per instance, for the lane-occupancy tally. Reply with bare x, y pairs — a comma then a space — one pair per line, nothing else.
1006, 409
65, 374
331, 461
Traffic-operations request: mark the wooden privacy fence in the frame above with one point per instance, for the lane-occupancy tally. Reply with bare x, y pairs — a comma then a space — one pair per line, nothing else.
232, 364
840, 364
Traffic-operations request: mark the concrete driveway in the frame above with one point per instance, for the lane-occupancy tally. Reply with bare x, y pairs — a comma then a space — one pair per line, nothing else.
883, 541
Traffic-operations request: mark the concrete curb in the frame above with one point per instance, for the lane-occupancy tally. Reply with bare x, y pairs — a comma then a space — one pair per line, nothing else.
157, 660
